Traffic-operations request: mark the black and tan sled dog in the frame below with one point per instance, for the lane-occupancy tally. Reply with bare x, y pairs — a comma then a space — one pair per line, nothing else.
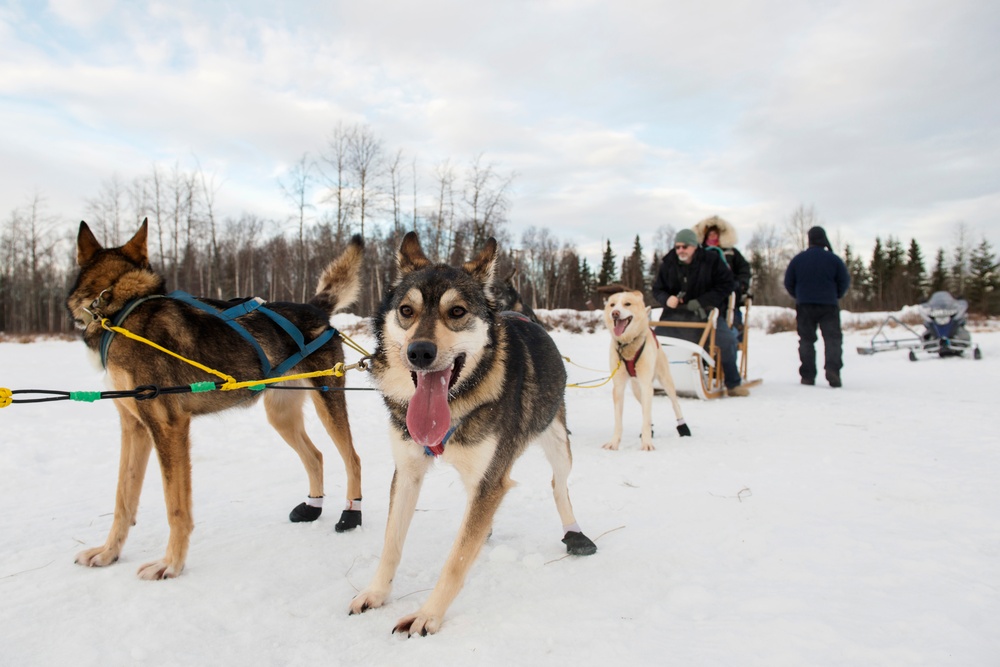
473, 386
118, 284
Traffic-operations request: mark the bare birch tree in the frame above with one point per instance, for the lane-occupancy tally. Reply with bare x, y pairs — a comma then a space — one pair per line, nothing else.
296, 188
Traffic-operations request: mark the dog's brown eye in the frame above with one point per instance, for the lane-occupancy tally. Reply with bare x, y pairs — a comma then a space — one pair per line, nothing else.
457, 312
406, 311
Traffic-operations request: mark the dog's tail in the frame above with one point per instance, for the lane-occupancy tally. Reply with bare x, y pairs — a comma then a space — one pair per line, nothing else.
340, 283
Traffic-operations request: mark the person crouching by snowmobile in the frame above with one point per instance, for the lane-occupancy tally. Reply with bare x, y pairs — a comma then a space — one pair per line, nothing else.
715, 232
690, 283
818, 279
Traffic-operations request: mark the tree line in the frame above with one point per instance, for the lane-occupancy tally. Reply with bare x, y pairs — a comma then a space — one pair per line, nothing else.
361, 187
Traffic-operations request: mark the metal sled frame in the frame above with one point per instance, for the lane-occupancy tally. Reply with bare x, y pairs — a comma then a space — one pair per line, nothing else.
880, 342
939, 346
702, 361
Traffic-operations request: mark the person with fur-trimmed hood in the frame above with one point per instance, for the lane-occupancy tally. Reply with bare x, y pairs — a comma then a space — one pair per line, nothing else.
690, 283
714, 232
818, 279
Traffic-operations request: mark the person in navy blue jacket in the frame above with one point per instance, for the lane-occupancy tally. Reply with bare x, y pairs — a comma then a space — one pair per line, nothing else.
818, 279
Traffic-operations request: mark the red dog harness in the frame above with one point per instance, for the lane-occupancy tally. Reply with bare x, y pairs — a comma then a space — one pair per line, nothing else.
630, 363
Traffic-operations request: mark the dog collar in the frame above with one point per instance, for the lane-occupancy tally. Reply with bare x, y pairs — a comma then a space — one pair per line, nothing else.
438, 450
120, 316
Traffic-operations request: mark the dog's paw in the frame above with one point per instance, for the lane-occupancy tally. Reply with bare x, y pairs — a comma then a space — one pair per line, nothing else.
683, 430
97, 557
304, 513
613, 446
159, 569
578, 544
421, 623
367, 599
349, 520
647, 447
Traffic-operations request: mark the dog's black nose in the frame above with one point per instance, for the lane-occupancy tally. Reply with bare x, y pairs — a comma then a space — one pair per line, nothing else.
421, 353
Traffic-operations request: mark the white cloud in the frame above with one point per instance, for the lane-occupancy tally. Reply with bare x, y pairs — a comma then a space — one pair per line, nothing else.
617, 117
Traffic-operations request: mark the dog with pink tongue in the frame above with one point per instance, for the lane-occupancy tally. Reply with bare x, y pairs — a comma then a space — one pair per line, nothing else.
470, 385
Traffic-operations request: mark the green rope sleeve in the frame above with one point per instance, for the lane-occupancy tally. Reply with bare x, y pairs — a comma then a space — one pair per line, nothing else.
85, 396
202, 386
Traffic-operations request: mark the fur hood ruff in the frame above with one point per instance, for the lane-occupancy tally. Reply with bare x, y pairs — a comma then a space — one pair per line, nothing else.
727, 233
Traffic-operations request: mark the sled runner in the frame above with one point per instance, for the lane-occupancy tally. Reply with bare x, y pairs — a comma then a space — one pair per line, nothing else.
945, 335
695, 358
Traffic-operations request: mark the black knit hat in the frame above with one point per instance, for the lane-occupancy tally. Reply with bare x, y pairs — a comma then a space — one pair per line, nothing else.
817, 236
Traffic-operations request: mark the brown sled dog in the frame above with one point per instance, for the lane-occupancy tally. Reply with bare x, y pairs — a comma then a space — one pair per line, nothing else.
464, 382
637, 355
115, 279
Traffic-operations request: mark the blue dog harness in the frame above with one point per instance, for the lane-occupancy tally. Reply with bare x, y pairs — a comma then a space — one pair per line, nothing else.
229, 316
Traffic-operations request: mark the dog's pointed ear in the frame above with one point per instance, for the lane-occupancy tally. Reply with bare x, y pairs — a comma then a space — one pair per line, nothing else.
135, 249
483, 266
411, 256
86, 245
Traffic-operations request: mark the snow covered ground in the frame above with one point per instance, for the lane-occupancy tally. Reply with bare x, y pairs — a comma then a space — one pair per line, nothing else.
800, 526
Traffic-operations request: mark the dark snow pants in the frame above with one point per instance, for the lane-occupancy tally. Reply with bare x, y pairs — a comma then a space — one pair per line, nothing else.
808, 316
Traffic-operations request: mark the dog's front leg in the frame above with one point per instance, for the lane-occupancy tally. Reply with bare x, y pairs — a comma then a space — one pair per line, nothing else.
619, 397
135, 447
411, 466
476, 526
171, 436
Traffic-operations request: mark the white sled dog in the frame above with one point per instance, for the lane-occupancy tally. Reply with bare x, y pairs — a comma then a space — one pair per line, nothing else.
636, 354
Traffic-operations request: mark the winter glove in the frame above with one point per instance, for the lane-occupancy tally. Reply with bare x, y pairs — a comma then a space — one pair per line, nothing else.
695, 307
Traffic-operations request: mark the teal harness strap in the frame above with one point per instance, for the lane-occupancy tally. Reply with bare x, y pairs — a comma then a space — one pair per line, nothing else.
229, 316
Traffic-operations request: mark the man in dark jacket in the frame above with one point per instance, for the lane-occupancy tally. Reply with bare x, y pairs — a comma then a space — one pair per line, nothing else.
818, 279
691, 280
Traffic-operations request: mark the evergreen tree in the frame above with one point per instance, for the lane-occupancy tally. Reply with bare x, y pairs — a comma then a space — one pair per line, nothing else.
983, 281
959, 269
589, 281
859, 294
608, 273
939, 276
633, 268
877, 272
894, 286
654, 268
916, 274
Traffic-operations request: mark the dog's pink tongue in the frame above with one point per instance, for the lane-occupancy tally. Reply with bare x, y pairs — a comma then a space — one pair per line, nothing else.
621, 325
428, 417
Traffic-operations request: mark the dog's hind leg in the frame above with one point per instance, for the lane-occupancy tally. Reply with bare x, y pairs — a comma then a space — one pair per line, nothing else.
555, 444
284, 413
135, 448
172, 439
411, 467
332, 409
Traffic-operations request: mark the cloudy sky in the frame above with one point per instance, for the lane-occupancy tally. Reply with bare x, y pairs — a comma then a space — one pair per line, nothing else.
617, 117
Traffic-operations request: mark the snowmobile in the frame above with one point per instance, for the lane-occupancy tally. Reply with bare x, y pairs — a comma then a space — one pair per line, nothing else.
944, 333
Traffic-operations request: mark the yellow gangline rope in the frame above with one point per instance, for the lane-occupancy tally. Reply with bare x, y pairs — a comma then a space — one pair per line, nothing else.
230, 382
588, 385
137, 337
